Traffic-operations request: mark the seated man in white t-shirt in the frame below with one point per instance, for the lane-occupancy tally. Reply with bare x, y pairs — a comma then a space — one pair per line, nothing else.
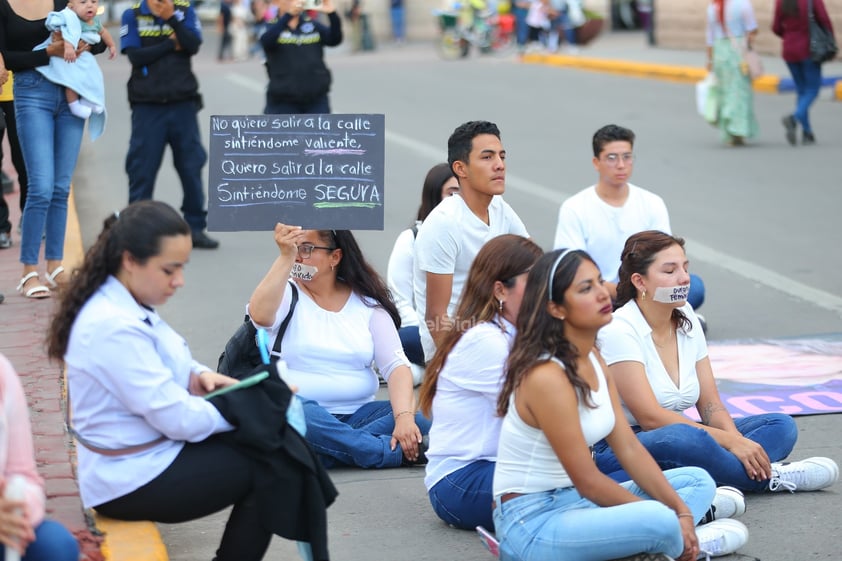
600, 218
459, 226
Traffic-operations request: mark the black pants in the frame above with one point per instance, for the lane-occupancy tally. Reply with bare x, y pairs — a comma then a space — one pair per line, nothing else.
205, 478
8, 108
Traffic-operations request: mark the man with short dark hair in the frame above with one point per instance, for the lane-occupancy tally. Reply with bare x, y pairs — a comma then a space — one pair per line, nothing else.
600, 218
459, 226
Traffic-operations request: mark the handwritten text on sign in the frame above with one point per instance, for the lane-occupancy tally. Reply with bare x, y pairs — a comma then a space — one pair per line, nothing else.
315, 171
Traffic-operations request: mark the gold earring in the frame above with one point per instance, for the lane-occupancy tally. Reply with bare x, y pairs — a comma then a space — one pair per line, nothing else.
643, 296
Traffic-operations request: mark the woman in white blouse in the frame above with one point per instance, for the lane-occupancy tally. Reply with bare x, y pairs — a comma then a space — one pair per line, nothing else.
150, 448
657, 354
464, 379
343, 326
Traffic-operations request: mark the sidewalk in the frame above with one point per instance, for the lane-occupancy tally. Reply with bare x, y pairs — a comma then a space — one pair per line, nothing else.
23, 324
628, 53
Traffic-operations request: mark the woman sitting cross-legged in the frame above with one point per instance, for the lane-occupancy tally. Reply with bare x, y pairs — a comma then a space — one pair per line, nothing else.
657, 354
343, 326
551, 501
464, 379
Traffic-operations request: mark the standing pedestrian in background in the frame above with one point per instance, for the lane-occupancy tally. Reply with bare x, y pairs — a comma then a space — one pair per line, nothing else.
792, 24
160, 38
732, 29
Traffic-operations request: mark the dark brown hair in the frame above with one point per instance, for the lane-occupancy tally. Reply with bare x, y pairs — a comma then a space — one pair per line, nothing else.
638, 255
357, 273
431, 191
539, 334
137, 229
501, 259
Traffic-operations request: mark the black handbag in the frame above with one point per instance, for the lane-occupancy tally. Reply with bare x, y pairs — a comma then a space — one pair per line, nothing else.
823, 45
242, 355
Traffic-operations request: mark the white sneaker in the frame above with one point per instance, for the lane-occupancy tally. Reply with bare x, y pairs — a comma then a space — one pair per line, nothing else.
721, 537
805, 475
729, 502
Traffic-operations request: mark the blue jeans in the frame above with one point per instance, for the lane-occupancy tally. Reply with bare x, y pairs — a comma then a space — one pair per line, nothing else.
53, 542
411, 343
463, 498
561, 525
807, 76
398, 30
681, 445
360, 439
50, 137
521, 27
320, 105
154, 126
696, 296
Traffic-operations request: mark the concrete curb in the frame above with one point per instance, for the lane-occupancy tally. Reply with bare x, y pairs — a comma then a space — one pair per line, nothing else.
123, 541
768, 83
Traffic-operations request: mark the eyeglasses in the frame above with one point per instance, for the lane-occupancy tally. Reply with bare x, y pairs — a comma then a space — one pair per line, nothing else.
305, 250
614, 159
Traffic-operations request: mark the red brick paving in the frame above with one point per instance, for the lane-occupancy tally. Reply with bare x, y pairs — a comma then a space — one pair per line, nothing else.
23, 324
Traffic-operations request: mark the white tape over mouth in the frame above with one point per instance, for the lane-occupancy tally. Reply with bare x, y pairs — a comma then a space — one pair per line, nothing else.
671, 294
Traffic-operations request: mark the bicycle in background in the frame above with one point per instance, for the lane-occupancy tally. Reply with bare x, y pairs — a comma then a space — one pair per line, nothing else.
488, 32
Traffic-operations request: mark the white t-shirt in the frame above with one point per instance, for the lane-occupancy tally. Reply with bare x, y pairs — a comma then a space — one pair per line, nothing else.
330, 355
465, 422
447, 243
629, 338
587, 222
399, 276
526, 463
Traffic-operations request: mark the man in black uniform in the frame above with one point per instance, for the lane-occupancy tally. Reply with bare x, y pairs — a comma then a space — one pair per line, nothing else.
160, 37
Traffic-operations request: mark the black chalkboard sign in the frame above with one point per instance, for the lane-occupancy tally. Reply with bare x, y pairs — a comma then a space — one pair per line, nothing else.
314, 171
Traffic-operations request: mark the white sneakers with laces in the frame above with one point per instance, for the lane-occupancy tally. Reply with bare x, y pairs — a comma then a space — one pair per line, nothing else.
721, 537
729, 502
811, 474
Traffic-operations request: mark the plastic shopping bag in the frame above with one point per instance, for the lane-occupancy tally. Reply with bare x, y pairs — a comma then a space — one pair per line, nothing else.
707, 99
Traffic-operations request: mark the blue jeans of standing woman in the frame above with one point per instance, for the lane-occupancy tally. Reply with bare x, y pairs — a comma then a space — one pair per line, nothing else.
681, 445
561, 525
361, 438
807, 76
50, 137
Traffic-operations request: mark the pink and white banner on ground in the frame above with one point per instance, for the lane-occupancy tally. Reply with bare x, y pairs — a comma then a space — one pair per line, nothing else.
799, 376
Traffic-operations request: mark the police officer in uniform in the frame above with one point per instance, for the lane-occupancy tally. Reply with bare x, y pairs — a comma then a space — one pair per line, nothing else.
160, 37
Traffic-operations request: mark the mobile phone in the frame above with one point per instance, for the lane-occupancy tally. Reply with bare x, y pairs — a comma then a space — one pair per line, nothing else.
312, 4
244, 383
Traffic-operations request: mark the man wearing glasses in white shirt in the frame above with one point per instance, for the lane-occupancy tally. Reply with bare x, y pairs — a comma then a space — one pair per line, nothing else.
600, 218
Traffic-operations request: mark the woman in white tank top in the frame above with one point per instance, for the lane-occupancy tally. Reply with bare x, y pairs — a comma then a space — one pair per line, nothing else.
551, 501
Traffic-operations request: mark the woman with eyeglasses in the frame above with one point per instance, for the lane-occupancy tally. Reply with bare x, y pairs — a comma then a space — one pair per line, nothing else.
551, 501
343, 328
464, 379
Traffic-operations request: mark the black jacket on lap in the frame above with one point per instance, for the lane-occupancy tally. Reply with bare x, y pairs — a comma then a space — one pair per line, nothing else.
292, 487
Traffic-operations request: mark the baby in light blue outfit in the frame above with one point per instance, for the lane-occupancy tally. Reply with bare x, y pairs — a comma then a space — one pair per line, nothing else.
80, 74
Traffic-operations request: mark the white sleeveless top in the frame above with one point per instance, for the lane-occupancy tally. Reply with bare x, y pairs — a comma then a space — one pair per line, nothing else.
526, 463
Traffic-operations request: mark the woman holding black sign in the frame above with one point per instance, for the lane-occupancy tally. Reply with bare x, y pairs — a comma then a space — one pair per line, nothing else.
344, 326
299, 80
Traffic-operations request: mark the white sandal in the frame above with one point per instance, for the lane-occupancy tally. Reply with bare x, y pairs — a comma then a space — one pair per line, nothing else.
51, 277
38, 292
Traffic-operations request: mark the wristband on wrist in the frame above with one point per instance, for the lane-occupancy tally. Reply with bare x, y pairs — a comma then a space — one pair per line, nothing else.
407, 412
